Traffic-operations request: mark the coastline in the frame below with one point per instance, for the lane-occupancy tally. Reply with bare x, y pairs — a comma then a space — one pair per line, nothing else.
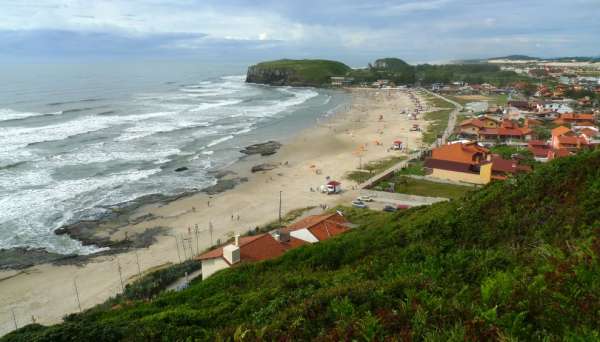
330, 146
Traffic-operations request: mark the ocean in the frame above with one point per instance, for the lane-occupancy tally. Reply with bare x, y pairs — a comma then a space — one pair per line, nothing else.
77, 138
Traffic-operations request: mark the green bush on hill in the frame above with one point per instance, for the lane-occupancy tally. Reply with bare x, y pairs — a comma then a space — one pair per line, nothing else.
305, 72
516, 260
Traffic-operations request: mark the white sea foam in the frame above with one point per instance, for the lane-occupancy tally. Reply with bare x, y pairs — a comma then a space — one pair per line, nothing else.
220, 140
7, 114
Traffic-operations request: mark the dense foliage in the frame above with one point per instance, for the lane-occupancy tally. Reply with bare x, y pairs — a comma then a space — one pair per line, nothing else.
305, 72
469, 73
517, 260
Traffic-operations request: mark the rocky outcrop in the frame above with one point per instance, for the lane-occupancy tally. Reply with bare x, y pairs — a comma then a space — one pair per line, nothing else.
297, 73
270, 76
263, 167
264, 149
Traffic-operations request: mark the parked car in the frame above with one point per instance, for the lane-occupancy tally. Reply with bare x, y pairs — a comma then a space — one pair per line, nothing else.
365, 199
359, 204
389, 208
402, 206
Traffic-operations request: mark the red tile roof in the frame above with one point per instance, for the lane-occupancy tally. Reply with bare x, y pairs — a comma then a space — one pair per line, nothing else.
322, 227
572, 140
256, 248
508, 166
469, 153
561, 130
506, 132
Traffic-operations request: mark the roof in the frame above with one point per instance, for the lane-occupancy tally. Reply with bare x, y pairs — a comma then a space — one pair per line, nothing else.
539, 152
572, 140
256, 248
322, 227
515, 132
460, 152
509, 166
561, 130
589, 132
537, 143
577, 117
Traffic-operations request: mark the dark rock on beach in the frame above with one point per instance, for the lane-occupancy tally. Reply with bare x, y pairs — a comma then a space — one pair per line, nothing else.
263, 167
264, 149
180, 169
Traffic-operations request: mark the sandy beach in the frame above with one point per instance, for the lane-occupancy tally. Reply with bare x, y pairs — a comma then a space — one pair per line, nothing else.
333, 146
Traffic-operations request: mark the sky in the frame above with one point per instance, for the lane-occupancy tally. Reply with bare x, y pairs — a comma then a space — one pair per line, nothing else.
351, 31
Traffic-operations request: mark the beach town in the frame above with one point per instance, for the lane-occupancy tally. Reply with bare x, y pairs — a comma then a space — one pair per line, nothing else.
391, 148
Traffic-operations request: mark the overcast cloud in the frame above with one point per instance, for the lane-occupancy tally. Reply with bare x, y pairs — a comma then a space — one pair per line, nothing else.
352, 31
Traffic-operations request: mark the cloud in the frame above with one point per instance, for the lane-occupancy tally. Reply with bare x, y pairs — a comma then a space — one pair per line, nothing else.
350, 30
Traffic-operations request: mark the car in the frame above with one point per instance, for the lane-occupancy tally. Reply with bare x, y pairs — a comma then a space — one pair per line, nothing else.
365, 199
359, 204
389, 208
402, 206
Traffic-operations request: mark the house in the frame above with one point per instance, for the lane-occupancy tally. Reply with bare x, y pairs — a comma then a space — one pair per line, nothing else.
565, 138
337, 81
575, 119
559, 107
472, 126
520, 105
246, 249
508, 131
317, 228
539, 149
504, 168
460, 162
266, 246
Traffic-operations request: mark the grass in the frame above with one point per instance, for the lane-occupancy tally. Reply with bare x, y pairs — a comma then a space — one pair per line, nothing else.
419, 187
414, 168
373, 168
438, 123
315, 71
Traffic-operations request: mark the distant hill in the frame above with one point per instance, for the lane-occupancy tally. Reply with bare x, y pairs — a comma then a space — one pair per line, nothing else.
305, 72
391, 64
516, 58
516, 260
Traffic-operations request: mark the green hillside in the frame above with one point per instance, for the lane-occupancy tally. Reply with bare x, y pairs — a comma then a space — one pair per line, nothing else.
517, 260
305, 72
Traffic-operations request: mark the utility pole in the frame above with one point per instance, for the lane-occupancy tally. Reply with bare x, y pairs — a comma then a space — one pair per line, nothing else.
183, 247
120, 275
77, 293
280, 206
137, 258
210, 229
14, 318
196, 231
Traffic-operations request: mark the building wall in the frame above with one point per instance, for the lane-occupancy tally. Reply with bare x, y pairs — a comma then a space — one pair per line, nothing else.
484, 176
211, 266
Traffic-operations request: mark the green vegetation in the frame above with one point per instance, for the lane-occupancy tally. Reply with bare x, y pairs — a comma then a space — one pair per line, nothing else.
437, 125
516, 260
318, 72
415, 167
470, 73
373, 168
506, 152
420, 187
306, 72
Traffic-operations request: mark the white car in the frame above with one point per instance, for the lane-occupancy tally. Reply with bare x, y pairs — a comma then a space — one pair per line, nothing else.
365, 199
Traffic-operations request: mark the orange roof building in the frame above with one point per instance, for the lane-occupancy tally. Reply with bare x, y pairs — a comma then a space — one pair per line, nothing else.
318, 227
272, 245
564, 138
460, 162
573, 118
